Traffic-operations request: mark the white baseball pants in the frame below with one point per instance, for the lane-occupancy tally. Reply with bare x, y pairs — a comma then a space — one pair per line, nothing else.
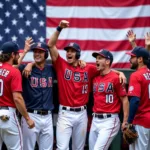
10, 131
73, 124
143, 140
42, 132
103, 131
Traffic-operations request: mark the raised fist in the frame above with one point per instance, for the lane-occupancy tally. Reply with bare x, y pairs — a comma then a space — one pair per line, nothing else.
64, 24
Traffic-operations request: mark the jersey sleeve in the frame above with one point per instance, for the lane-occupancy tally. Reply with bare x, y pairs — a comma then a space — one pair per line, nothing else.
92, 70
119, 88
16, 82
134, 86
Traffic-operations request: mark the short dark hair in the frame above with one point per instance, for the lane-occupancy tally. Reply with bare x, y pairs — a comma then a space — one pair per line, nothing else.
5, 57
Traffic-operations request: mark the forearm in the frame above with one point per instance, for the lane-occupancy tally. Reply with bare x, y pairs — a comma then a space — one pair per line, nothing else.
21, 107
133, 44
53, 39
125, 104
20, 59
147, 47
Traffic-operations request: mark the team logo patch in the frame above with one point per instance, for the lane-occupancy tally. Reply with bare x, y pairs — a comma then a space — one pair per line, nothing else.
131, 88
71, 44
39, 45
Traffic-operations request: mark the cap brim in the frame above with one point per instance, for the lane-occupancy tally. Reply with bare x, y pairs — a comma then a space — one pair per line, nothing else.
66, 48
20, 51
38, 49
131, 54
95, 54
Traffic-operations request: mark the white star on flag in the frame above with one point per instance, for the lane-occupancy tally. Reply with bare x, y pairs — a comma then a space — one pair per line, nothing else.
14, 7
34, 15
34, 31
14, 38
14, 22
7, 30
7, 13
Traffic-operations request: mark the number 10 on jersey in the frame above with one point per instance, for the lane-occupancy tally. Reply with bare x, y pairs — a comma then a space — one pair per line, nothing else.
109, 98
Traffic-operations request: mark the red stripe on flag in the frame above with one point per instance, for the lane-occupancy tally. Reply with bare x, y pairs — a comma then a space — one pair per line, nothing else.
101, 23
97, 45
104, 3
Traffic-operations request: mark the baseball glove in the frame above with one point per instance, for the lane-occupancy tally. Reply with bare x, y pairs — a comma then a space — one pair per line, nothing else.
4, 118
130, 134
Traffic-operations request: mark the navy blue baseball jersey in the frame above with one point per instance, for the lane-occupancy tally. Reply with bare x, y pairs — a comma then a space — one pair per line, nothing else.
38, 88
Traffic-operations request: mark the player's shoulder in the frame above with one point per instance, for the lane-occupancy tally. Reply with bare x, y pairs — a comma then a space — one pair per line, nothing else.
113, 75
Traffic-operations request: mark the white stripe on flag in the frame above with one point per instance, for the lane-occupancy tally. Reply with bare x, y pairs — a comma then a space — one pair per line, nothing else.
97, 12
97, 34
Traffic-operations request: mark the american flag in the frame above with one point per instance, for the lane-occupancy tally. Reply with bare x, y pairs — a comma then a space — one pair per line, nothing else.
94, 24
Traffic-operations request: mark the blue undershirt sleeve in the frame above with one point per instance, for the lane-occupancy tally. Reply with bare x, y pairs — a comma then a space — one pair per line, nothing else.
134, 104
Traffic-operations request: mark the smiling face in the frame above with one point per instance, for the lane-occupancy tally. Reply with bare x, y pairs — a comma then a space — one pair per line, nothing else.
71, 55
102, 63
39, 55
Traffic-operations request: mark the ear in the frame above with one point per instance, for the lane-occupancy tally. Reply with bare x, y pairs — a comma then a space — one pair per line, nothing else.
107, 61
12, 54
140, 59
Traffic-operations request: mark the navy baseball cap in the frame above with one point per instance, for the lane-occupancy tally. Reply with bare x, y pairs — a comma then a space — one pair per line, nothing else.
74, 46
104, 53
40, 46
9, 47
139, 52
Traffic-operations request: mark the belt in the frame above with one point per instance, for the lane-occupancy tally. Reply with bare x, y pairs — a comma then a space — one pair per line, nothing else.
4, 107
74, 109
40, 112
102, 116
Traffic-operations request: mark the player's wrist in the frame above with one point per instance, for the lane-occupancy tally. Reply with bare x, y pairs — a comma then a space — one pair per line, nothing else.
59, 28
27, 118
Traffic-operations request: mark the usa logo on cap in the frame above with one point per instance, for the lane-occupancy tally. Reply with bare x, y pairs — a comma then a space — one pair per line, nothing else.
71, 44
38, 44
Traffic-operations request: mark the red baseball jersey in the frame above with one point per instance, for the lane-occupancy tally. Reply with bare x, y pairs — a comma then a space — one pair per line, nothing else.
106, 91
139, 86
73, 82
10, 81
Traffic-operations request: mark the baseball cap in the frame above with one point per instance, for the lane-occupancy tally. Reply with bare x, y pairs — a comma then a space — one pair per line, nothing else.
104, 53
139, 52
40, 46
9, 47
74, 46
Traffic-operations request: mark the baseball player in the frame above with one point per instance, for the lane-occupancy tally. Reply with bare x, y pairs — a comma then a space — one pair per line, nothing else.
11, 98
74, 85
108, 95
139, 96
132, 37
38, 96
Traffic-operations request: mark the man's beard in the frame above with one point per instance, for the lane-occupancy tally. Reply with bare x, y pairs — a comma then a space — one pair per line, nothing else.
134, 66
15, 62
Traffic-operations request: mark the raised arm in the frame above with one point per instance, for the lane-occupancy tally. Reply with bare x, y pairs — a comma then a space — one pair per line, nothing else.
53, 39
131, 37
147, 41
28, 44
